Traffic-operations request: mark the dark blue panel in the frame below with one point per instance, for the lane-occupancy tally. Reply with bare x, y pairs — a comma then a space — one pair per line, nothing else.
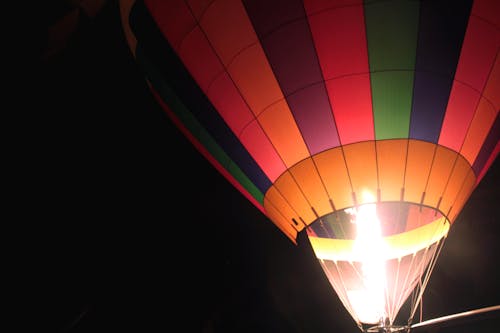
442, 28
488, 147
430, 98
154, 47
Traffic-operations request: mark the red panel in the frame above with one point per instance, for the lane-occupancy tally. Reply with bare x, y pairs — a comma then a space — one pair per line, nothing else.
173, 18
204, 70
259, 147
313, 6
351, 101
477, 59
228, 29
340, 39
459, 113
489, 10
492, 89
231, 106
479, 50
198, 7
479, 128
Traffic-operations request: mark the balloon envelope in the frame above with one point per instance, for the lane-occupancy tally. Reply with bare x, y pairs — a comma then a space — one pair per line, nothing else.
366, 124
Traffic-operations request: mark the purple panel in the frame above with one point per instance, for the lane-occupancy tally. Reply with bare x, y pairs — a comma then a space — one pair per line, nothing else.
268, 16
311, 110
292, 56
488, 146
283, 30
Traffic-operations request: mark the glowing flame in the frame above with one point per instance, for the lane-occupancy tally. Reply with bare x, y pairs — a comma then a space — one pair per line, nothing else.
369, 301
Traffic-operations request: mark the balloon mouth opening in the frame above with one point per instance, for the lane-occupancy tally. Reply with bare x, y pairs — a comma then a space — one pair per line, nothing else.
376, 255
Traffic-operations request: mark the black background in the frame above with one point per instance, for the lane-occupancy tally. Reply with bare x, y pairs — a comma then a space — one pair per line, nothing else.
125, 226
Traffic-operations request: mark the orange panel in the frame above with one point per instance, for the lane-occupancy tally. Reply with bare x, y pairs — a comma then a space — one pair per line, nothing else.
458, 176
281, 129
462, 197
391, 159
291, 192
308, 179
493, 85
281, 222
362, 167
418, 166
228, 34
332, 170
275, 199
255, 80
439, 176
478, 130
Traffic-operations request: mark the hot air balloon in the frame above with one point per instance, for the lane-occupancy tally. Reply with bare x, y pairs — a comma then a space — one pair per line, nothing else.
364, 124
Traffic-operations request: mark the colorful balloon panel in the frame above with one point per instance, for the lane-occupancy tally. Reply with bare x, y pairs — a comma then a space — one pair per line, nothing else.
365, 124
305, 104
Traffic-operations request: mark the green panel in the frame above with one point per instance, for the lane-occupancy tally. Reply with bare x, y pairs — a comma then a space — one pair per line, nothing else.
194, 127
392, 28
238, 174
392, 97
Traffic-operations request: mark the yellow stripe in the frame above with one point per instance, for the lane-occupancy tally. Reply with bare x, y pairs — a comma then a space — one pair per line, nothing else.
398, 246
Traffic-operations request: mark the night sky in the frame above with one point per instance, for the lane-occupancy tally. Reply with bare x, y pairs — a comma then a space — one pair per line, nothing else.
132, 229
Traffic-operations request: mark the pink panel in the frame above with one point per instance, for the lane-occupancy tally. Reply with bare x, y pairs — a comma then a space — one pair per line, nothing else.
260, 148
352, 107
228, 29
477, 59
461, 106
173, 18
479, 50
226, 98
340, 39
204, 70
198, 7
313, 6
489, 10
